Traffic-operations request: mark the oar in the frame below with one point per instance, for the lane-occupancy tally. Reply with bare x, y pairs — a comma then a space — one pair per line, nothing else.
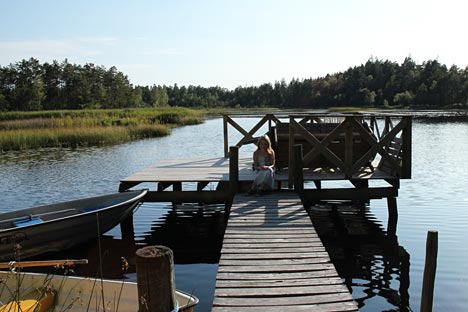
40, 263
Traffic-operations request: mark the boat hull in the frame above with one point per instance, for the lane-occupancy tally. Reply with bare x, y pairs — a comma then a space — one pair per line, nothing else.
86, 294
59, 226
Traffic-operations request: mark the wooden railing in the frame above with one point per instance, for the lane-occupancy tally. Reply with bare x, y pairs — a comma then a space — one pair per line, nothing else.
346, 143
248, 136
352, 144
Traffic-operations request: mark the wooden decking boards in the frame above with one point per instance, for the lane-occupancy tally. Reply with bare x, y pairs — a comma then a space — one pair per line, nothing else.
217, 169
273, 260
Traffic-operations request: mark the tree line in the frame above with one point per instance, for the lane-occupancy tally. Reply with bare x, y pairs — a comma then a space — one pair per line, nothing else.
29, 85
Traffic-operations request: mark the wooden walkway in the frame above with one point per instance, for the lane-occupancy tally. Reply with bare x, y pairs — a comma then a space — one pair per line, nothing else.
273, 260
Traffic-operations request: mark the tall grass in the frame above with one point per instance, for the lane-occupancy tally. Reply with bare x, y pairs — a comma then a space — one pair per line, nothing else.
28, 130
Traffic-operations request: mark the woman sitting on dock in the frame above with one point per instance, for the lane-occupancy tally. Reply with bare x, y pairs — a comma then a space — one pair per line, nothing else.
263, 164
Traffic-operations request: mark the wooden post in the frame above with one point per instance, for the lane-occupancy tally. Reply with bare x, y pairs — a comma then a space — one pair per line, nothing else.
429, 271
348, 148
177, 186
406, 149
155, 278
392, 216
126, 228
225, 133
291, 152
298, 173
233, 169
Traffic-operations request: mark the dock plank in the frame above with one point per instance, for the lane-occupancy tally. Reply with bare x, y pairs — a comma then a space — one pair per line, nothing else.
273, 260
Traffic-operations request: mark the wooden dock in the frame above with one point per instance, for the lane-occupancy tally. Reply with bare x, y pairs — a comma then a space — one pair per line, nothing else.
273, 260
353, 148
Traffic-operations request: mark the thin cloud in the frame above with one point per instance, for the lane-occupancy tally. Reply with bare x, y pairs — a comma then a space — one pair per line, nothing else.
99, 40
44, 49
168, 51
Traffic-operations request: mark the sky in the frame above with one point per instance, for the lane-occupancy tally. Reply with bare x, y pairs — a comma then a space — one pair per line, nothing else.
232, 43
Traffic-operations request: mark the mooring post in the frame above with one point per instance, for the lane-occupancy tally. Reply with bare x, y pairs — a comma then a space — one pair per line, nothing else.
155, 278
298, 166
233, 169
430, 267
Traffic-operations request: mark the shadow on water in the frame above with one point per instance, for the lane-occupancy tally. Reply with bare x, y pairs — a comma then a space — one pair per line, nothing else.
372, 264
193, 232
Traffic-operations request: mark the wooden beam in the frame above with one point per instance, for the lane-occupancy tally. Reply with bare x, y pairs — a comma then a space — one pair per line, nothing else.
319, 147
237, 126
379, 148
207, 197
127, 185
252, 131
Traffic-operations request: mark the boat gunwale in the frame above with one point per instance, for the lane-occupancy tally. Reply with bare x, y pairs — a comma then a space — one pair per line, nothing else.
137, 197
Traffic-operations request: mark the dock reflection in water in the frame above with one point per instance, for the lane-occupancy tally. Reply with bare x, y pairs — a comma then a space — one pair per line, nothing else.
194, 232
371, 263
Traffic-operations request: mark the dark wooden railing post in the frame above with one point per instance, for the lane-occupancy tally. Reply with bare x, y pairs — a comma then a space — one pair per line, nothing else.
430, 267
292, 122
225, 132
233, 169
406, 137
155, 278
298, 166
348, 147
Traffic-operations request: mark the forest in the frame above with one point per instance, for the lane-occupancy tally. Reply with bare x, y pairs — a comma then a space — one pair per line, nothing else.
29, 85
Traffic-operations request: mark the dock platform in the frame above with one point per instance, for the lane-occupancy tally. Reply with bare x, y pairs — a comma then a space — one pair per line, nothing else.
216, 169
273, 260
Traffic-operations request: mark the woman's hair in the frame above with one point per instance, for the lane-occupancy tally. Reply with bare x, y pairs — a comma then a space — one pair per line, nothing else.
266, 138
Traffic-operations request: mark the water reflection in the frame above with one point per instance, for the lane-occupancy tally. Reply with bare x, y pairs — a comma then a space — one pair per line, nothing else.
193, 232
374, 267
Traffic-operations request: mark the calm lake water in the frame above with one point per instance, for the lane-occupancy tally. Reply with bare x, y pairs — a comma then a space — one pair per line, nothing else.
383, 274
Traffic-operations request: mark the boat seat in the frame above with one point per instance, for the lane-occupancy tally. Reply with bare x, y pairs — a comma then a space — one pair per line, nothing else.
27, 221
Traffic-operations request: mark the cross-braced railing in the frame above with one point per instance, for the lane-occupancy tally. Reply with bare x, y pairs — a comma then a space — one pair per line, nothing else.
346, 143
352, 144
248, 136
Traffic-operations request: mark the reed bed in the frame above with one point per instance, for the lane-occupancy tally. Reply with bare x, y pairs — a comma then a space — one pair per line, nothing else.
29, 130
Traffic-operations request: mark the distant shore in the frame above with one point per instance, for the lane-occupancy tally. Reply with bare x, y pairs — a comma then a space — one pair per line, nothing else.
74, 128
